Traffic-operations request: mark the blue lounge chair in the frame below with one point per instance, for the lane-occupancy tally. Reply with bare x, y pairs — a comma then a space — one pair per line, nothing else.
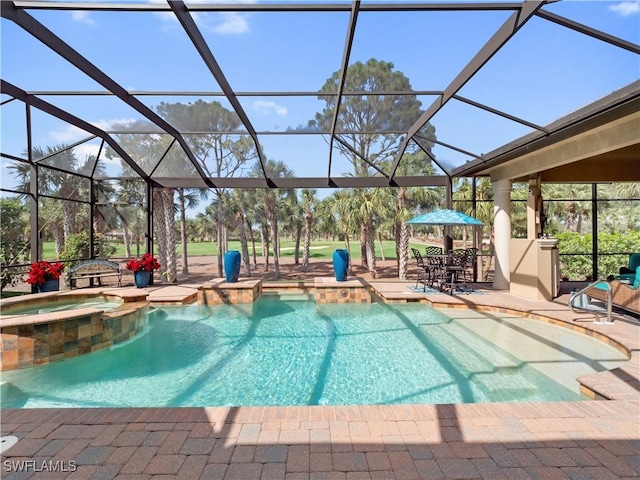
624, 293
628, 273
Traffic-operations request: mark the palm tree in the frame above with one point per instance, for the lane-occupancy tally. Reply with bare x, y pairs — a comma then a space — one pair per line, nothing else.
309, 204
253, 214
239, 201
291, 221
408, 201
203, 227
341, 209
271, 196
129, 208
374, 205
164, 222
187, 198
574, 206
61, 215
484, 213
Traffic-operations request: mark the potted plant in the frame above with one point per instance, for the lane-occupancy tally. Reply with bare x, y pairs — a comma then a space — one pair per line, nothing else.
142, 269
45, 275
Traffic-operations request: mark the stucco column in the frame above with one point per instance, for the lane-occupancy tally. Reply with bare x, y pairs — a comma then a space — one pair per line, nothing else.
502, 232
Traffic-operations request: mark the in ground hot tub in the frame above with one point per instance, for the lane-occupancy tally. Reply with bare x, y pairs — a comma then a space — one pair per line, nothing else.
43, 328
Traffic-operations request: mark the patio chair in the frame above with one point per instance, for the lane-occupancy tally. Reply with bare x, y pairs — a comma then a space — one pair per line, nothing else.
424, 272
625, 294
455, 269
628, 273
472, 257
433, 250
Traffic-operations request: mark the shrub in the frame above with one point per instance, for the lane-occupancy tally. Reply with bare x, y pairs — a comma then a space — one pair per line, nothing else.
77, 246
579, 267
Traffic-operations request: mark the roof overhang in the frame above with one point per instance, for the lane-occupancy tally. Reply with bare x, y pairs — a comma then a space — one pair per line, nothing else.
604, 136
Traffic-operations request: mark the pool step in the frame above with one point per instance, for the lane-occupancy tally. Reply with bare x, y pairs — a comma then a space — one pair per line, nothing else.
506, 384
290, 296
476, 355
495, 372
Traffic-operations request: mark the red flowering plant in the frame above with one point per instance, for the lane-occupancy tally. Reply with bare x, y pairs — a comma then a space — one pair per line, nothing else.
147, 263
40, 272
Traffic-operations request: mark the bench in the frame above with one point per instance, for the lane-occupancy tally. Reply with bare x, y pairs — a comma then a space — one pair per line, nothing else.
93, 269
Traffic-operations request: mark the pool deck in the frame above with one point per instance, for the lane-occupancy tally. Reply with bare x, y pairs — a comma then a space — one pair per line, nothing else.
597, 439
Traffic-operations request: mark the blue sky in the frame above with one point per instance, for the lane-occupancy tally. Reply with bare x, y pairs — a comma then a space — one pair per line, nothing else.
545, 72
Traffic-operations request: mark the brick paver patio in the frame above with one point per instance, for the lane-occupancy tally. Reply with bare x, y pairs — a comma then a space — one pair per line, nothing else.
563, 440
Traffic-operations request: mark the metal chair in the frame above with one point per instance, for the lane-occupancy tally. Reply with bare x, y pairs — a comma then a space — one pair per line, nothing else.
436, 262
472, 257
424, 272
455, 269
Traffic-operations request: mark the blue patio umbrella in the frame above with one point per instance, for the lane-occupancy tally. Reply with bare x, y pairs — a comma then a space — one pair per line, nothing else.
445, 217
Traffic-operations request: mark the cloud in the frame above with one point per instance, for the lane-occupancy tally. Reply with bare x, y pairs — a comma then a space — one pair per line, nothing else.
82, 17
625, 8
71, 133
86, 149
232, 24
68, 134
264, 106
108, 124
222, 23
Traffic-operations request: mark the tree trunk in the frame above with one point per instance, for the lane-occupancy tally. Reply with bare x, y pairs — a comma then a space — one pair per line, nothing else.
126, 238
243, 243
264, 237
159, 230
308, 218
219, 241
296, 260
397, 236
347, 246
403, 251
363, 246
253, 243
273, 222
183, 233
58, 239
381, 247
171, 271
400, 207
487, 260
68, 218
370, 242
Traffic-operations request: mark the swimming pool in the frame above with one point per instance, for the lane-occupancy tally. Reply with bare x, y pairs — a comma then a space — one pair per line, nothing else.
294, 352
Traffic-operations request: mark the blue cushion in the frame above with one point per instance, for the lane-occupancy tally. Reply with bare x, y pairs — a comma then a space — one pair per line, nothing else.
634, 261
636, 283
627, 277
602, 286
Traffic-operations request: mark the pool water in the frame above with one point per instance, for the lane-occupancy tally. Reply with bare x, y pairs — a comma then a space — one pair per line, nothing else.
34, 308
292, 352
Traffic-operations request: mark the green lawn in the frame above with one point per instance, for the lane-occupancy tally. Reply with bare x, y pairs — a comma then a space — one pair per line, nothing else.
321, 250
